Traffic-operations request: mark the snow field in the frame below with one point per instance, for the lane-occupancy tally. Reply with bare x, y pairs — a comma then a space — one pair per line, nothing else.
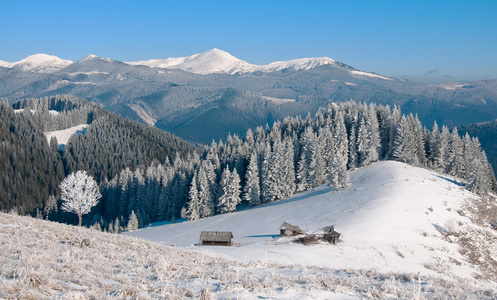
393, 218
43, 260
64, 135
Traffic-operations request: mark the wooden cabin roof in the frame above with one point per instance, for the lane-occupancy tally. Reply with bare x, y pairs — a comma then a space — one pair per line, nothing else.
216, 236
329, 229
289, 226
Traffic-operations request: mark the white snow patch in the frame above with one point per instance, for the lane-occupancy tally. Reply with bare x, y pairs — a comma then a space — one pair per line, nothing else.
390, 218
88, 73
143, 114
64, 135
350, 83
277, 100
369, 75
52, 112
451, 86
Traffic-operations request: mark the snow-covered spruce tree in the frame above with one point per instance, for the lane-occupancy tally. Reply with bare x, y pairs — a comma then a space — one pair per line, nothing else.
404, 143
252, 190
442, 149
79, 193
230, 195
476, 181
338, 177
132, 222
193, 210
205, 194
353, 160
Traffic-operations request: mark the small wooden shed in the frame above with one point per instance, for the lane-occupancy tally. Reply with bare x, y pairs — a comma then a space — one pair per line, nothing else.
287, 229
307, 240
330, 235
216, 238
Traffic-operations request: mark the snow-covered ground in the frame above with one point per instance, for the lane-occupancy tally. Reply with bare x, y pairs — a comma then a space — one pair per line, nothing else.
393, 218
399, 225
64, 135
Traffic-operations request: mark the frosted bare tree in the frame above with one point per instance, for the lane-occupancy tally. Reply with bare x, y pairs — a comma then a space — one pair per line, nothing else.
80, 193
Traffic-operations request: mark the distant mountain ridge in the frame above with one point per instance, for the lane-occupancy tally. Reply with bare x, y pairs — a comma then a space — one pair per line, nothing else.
202, 106
219, 61
208, 62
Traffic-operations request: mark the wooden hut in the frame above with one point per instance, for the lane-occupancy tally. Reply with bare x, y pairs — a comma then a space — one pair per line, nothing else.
289, 230
216, 238
330, 235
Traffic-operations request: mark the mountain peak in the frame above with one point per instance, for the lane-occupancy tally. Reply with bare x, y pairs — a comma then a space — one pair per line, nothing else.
41, 63
94, 57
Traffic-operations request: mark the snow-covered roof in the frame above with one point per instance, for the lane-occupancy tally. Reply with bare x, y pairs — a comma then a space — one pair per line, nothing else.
289, 226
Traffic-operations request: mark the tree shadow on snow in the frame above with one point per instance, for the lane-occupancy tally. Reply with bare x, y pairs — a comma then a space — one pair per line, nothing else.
449, 180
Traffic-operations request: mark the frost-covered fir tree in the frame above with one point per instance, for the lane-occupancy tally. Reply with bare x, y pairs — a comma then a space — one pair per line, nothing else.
338, 177
353, 160
288, 170
230, 195
193, 210
251, 190
132, 222
205, 194
442, 149
404, 143
79, 193
476, 181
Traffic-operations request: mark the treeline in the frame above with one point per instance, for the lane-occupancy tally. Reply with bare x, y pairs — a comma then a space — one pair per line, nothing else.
294, 155
33, 167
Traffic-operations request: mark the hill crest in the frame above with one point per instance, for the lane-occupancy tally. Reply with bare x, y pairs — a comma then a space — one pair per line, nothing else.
392, 218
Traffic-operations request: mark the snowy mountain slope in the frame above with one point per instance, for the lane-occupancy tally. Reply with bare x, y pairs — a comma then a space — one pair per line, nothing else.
212, 61
42, 260
393, 218
39, 63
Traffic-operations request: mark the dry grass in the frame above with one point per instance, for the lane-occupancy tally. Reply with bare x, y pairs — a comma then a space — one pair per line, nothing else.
44, 260
479, 243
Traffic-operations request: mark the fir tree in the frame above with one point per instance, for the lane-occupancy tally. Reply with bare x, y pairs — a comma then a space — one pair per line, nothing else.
252, 189
133, 223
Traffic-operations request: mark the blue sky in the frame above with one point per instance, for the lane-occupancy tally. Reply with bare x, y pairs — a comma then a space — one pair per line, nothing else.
395, 38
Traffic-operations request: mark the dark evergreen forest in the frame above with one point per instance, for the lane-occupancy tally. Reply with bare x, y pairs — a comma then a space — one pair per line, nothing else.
32, 167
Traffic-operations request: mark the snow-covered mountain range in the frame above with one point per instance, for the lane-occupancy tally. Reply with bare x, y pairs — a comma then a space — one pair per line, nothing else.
219, 61
208, 62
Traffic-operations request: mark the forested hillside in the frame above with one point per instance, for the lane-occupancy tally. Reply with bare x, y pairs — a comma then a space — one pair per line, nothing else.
30, 169
147, 175
293, 156
34, 167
